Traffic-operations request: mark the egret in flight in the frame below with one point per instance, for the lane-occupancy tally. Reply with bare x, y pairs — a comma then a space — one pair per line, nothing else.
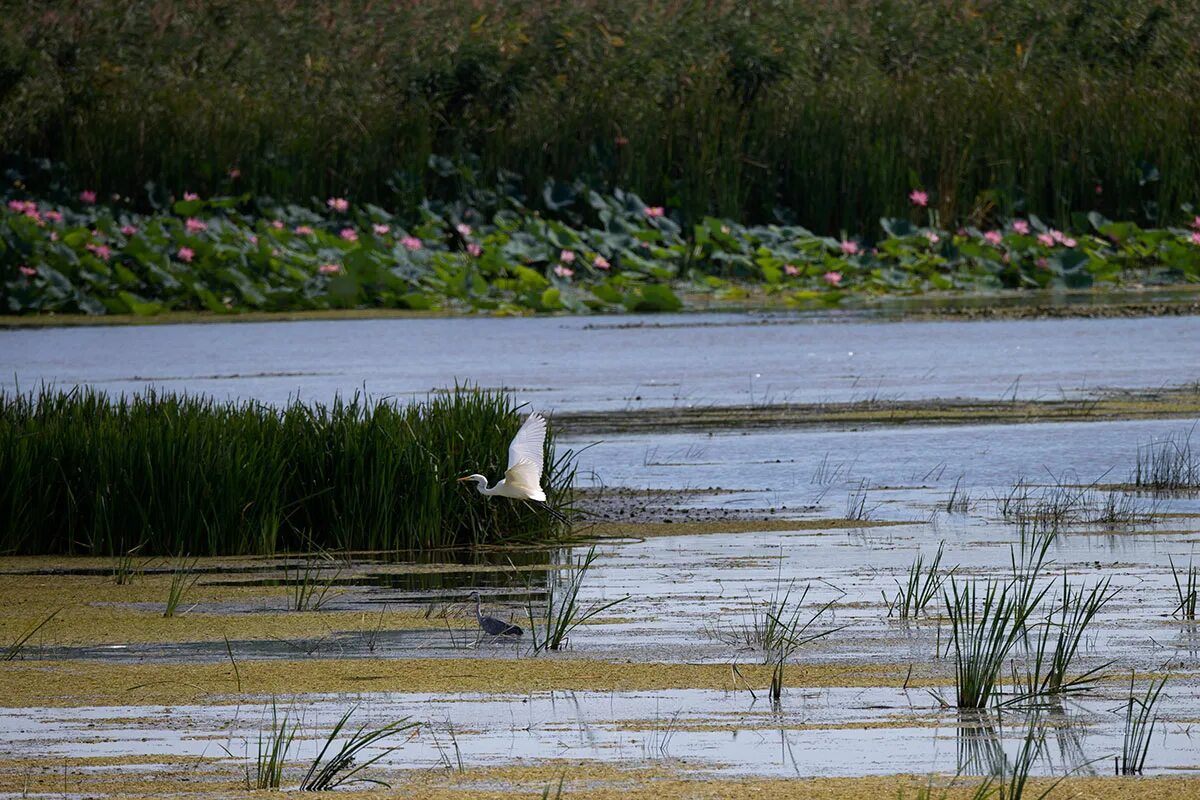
523, 478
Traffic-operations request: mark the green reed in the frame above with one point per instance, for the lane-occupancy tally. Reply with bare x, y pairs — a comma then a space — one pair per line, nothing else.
85, 474
827, 110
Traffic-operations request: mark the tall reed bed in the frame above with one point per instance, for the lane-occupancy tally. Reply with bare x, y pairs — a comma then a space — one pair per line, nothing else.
832, 110
169, 474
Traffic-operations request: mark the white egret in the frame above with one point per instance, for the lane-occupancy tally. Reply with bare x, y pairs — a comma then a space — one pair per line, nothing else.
523, 478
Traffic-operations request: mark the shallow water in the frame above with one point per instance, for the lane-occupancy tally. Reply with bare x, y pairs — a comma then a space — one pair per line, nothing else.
592, 363
692, 598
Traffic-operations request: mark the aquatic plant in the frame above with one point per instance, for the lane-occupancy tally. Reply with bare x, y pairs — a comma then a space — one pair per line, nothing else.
1187, 588
343, 764
1048, 662
309, 590
985, 624
124, 569
562, 613
14, 650
1168, 465
272, 752
183, 577
1139, 726
816, 112
240, 257
922, 586
84, 473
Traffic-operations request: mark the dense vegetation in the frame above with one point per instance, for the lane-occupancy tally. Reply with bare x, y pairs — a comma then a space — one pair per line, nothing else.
597, 252
825, 114
171, 474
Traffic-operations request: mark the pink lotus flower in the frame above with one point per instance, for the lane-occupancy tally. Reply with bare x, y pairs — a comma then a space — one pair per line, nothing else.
54, 236
186, 254
88, 196
254, 238
35, 215
600, 262
1099, 189
918, 198
1056, 235
329, 269
849, 248
1043, 263
349, 234
54, 216
833, 278
28, 272
1045, 240
234, 173
277, 224
655, 211
932, 237
128, 230
381, 230
1196, 223
190, 196
563, 271
791, 269
621, 141
1069, 242
304, 230
101, 251
16, 206
339, 204
194, 225
993, 237
1020, 226
566, 256
474, 249
1196, 237
412, 243
463, 229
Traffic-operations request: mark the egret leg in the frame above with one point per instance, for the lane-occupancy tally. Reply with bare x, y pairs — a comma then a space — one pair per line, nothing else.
554, 512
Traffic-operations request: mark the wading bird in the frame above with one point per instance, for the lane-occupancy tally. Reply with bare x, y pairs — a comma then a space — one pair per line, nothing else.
523, 478
491, 625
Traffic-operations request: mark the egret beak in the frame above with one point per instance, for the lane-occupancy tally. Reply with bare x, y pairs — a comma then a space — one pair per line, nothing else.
464, 478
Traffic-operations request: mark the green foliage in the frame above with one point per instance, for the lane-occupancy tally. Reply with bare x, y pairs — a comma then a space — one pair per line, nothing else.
231, 253
830, 110
180, 474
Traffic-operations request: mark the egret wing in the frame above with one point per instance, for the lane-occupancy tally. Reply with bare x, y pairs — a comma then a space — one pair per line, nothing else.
525, 458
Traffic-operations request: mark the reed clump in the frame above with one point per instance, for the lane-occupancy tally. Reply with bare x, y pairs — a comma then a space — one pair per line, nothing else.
87, 474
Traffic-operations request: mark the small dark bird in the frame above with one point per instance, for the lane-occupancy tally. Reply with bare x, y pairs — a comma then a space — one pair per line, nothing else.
491, 625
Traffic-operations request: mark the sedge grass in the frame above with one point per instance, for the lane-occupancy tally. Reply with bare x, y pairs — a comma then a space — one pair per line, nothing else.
183, 577
1139, 727
562, 612
85, 473
273, 748
346, 762
1186, 587
14, 650
922, 586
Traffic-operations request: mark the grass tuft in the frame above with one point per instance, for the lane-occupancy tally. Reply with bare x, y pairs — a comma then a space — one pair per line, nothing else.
562, 612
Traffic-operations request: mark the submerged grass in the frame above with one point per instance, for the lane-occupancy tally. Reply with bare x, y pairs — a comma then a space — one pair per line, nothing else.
85, 473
